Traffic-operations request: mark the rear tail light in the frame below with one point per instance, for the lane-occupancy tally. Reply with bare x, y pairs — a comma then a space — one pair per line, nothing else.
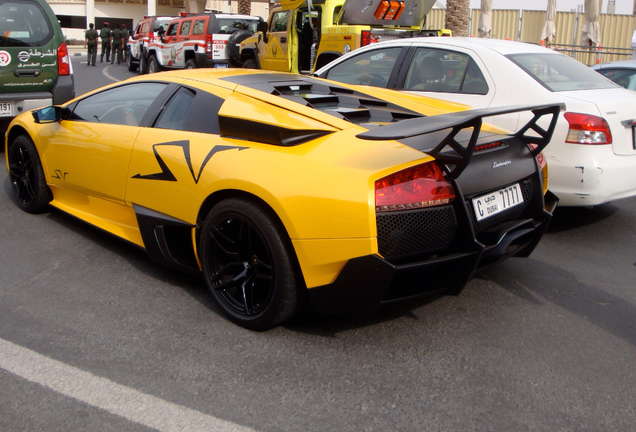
540, 157
483, 147
418, 187
63, 60
587, 129
366, 38
208, 44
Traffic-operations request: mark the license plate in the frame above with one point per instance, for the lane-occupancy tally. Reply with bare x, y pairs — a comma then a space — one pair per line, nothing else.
220, 65
495, 202
6, 109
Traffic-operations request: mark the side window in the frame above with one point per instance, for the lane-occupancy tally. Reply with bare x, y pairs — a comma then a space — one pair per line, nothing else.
199, 27
444, 71
185, 28
474, 82
172, 29
192, 111
176, 111
623, 77
144, 27
370, 68
279, 22
123, 105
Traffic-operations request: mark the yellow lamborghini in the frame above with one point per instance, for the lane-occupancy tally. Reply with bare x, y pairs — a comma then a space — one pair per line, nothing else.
278, 187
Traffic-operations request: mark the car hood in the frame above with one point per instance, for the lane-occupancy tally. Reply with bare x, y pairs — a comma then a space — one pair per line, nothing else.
618, 107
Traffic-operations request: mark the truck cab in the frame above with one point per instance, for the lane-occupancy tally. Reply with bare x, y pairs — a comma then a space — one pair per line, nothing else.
301, 36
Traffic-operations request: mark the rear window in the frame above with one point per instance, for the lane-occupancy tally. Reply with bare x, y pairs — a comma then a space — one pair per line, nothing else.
23, 24
230, 25
560, 73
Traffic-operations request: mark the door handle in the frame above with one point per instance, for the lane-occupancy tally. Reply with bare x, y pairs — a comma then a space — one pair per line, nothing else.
27, 72
283, 39
186, 38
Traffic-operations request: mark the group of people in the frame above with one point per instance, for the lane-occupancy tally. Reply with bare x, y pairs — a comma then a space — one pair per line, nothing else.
113, 42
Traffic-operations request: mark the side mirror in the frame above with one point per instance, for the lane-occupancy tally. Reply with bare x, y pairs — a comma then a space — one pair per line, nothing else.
51, 114
160, 30
262, 27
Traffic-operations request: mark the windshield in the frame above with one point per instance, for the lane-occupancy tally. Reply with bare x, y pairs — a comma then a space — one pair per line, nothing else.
163, 23
23, 24
228, 26
560, 73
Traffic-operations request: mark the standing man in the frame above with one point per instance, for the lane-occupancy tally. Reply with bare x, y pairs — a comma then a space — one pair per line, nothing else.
90, 41
105, 35
118, 41
124, 44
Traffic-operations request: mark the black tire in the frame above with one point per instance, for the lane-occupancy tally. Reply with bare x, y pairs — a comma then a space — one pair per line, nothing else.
143, 64
250, 64
247, 264
153, 64
27, 178
232, 50
132, 65
191, 64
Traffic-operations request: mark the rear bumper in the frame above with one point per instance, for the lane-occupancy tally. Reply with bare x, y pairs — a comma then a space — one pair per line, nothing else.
592, 176
369, 281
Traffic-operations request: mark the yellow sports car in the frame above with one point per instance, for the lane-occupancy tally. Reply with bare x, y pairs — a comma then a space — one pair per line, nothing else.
275, 185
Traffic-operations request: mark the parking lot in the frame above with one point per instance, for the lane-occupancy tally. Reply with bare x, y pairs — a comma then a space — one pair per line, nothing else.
95, 336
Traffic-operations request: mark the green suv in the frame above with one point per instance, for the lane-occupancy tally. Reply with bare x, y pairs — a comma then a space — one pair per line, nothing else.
35, 67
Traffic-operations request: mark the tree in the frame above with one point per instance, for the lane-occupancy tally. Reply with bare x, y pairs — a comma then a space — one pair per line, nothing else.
245, 7
457, 15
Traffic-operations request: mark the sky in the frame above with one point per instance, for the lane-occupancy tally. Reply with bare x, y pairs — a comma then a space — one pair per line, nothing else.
622, 6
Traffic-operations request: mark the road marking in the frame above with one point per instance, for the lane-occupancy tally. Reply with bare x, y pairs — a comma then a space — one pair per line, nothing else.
109, 76
103, 393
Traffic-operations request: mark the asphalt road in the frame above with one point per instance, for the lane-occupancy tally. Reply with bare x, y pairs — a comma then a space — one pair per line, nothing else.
94, 336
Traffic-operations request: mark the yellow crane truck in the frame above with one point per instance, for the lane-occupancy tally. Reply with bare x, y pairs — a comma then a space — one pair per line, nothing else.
301, 36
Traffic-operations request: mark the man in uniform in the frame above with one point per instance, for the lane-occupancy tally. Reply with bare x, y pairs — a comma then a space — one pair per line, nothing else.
90, 41
105, 35
118, 42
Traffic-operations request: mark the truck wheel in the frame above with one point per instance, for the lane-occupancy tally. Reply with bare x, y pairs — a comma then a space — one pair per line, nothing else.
132, 66
153, 64
143, 63
191, 64
250, 64
232, 46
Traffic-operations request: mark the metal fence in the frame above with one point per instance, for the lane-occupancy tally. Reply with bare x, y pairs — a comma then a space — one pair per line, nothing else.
526, 26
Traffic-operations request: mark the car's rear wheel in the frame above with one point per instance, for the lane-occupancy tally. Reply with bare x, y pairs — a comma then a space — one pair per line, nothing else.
27, 178
250, 64
153, 64
191, 64
248, 265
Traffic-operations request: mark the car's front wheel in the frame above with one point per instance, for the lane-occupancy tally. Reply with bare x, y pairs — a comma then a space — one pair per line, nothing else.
250, 64
27, 178
247, 264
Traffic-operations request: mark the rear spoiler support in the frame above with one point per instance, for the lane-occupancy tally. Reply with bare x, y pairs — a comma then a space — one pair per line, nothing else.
456, 161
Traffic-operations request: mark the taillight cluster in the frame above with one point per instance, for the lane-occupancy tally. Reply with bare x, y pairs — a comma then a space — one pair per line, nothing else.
417, 187
63, 60
587, 129
365, 38
208, 44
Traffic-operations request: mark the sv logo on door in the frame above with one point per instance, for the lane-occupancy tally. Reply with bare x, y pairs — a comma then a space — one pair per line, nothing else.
59, 175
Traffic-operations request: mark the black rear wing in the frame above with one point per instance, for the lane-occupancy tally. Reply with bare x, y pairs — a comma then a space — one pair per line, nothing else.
457, 160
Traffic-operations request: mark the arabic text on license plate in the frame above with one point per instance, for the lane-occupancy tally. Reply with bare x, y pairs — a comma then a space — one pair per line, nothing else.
220, 65
497, 201
6, 109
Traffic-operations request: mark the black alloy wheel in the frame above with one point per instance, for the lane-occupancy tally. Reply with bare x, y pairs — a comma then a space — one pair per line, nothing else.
26, 176
247, 264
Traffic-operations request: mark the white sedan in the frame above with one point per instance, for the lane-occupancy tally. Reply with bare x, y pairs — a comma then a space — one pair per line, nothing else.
592, 155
